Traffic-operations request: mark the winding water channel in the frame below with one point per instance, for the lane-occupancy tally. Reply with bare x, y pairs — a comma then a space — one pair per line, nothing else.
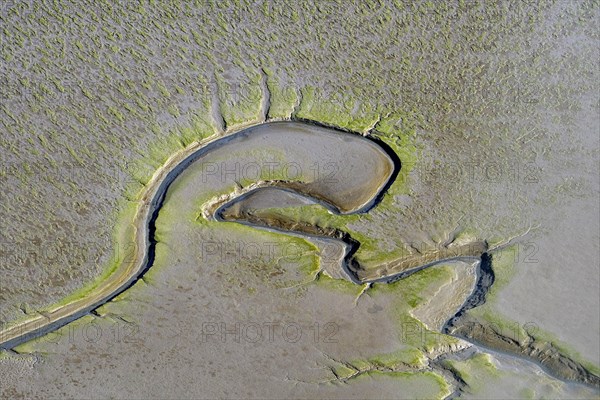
257, 169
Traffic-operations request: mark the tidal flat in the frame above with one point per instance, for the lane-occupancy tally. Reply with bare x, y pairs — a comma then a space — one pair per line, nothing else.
491, 108
265, 286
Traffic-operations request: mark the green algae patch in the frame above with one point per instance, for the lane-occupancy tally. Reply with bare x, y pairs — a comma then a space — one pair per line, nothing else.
283, 99
370, 371
240, 103
467, 235
338, 285
136, 174
412, 357
310, 263
200, 127
409, 288
337, 111
403, 143
5, 355
360, 365
369, 253
475, 371
159, 152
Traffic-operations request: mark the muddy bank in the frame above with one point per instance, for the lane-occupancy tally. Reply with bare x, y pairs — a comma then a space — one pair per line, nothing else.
255, 209
545, 354
306, 156
258, 208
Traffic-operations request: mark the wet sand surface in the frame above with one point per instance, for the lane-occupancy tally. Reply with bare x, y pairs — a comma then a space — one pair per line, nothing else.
285, 165
215, 322
232, 324
555, 277
340, 168
231, 311
492, 107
